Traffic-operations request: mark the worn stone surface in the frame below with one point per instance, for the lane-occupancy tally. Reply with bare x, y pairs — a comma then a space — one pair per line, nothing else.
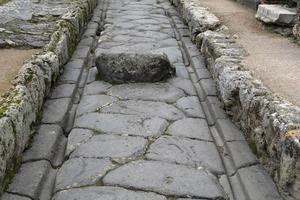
190, 128
129, 68
122, 124
145, 91
276, 14
78, 172
105, 193
7, 196
186, 151
77, 137
63, 91
190, 106
97, 87
168, 179
48, 144
144, 108
120, 148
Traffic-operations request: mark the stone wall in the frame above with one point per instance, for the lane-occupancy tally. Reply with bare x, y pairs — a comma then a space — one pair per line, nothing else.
270, 123
21, 107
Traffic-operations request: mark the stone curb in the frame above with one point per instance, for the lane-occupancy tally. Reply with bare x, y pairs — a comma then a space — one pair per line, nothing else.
270, 123
20, 107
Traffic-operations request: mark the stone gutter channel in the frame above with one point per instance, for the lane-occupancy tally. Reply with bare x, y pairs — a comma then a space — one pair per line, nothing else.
63, 161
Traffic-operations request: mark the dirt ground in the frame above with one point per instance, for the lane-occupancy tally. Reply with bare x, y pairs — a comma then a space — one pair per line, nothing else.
11, 60
273, 59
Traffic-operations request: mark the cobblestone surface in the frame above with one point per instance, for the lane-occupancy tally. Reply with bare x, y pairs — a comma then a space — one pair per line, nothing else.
159, 141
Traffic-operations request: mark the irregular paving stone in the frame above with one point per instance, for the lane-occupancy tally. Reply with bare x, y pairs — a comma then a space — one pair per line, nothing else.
229, 130
184, 84
70, 75
63, 91
97, 87
122, 124
76, 137
190, 106
120, 148
106, 193
78, 172
145, 91
167, 179
241, 153
55, 111
93, 103
75, 64
190, 128
181, 71
145, 109
7, 196
128, 68
186, 151
36, 172
48, 144
92, 76
258, 183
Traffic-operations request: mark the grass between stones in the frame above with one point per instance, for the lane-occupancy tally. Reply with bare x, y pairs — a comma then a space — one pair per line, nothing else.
3, 2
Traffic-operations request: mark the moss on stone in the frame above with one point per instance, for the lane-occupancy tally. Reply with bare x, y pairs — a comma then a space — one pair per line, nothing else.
3, 2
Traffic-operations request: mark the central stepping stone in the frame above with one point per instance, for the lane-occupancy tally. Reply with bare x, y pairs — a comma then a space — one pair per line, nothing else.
121, 68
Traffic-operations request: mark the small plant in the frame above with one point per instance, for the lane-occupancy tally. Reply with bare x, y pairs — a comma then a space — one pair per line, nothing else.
3, 2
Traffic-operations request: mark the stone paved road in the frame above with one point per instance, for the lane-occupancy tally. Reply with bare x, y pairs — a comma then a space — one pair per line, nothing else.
157, 141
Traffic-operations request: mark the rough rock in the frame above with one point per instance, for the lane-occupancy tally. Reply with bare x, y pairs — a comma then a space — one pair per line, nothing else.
128, 68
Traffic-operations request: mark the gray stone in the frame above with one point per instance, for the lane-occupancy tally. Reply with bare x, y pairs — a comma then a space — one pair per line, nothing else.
181, 71
79, 172
122, 124
75, 64
276, 14
77, 137
97, 87
202, 73
70, 75
30, 179
128, 68
190, 106
48, 144
241, 154
120, 148
63, 91
173, 53
106, 193
184, 84
144, 108
145, 91
81, 53
7, 196
190, 128
229, 131
209, 87
198, 62
92, 76
258, 183
93, 103
167, 179
55, 111
198, 154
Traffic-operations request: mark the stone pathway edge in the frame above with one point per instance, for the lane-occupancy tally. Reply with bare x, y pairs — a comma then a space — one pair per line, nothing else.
270, 123
20, 107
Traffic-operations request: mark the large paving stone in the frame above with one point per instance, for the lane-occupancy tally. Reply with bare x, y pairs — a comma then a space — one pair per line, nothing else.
48, 144
78, 172
122, 124
76, 137
258, 183
7, 196
120, 148
93, 103
190, 128
64, 90
144, 108
241, 153
191, 106
105, 193
184, 84
55, 111
30, 179
167, 179
129, 68
97, 87
145, 91
186, 151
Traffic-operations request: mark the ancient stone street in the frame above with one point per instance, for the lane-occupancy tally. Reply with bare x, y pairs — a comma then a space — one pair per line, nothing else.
162, 140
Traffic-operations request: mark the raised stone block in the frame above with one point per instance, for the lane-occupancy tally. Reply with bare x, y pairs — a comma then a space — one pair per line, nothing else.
128, 68
276, 14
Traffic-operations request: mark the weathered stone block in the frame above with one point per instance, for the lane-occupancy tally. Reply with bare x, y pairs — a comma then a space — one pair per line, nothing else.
126, 68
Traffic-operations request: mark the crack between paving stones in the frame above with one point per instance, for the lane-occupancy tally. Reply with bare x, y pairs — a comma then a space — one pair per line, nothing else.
21, 195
